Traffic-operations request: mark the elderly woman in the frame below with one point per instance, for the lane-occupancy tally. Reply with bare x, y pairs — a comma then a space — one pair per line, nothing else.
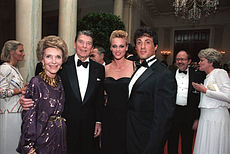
43, 128
11, 86
117, 77
213, 133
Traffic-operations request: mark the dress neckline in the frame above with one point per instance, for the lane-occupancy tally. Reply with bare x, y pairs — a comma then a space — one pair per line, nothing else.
118, 78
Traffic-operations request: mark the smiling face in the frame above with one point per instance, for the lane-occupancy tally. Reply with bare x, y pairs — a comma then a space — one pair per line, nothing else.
118, 47
145, 47
182, 60
52, 60
83, 46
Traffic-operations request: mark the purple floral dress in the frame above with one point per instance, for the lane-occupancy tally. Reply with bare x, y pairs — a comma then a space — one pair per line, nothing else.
42, 128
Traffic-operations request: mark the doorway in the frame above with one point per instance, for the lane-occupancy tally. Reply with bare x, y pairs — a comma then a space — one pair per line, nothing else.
192, 41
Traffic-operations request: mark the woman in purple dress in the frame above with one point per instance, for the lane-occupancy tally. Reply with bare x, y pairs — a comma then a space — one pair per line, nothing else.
43, 128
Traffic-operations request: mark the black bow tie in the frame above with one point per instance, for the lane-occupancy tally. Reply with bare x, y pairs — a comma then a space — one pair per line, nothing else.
145, 63
185, 72
84, 64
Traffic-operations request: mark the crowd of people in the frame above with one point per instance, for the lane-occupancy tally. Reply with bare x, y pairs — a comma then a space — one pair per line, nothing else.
133, 105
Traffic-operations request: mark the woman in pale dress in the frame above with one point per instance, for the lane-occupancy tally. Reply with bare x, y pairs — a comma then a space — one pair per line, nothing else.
11, 86
213, 133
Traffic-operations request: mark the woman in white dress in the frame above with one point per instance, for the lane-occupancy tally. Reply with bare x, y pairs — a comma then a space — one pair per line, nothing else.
11, 87
213, 133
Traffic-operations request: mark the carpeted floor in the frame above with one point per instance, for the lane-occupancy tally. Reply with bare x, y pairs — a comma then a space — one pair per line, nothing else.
179, 147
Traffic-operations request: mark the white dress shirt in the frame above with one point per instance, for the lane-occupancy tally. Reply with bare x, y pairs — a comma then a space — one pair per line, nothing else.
139, 72
83, 76
182, 87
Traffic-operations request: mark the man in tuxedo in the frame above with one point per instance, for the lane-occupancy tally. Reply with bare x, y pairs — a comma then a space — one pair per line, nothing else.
186, 115
82, 80
152, 94
83, 84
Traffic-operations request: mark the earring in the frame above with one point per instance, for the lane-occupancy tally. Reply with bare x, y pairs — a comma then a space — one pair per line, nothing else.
43, 67
60, 68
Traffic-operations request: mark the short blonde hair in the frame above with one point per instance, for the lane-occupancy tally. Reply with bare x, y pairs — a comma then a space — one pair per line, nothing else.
52, 41
212, 55
119, 34
11, 45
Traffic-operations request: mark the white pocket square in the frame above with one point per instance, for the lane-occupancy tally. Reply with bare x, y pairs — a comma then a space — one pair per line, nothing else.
98, 79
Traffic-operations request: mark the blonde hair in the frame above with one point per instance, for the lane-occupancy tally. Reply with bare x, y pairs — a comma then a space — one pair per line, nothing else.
52, 41
11, 45
212, 55
119, 34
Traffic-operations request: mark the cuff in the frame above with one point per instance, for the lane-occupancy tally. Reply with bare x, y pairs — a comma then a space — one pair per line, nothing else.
98, 122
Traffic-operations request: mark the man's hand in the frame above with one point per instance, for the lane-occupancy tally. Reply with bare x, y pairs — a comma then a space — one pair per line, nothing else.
25, 102
195, 124
97, 130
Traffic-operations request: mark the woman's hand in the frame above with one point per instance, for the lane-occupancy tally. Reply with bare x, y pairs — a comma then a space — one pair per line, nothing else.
32, 151
199, 87
20, 90
23, 89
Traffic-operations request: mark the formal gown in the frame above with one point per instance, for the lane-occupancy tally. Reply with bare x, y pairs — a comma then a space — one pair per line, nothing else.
43, 129
213, 132
10, 108
115, 115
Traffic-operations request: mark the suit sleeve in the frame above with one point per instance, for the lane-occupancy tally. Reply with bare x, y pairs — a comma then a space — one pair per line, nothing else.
164, 105
100, 96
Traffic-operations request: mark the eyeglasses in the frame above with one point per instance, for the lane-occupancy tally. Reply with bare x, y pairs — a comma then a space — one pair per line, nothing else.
181, 59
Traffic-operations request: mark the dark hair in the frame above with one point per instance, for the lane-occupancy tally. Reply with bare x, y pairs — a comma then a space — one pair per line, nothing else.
146, 31
188, 53
84, 32
100, 49
130, 49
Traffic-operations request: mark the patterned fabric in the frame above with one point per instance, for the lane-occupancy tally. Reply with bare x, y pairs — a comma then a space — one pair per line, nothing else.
10, 108
10, 79
43, 129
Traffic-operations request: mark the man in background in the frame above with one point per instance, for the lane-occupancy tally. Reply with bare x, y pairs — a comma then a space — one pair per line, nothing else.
185, 119
97, 54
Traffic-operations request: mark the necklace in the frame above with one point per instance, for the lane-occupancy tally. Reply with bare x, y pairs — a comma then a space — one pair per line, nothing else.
53, 82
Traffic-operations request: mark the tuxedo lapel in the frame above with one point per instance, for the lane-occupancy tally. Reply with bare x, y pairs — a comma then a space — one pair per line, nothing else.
91, 82
190, 78
73, 79
141, 79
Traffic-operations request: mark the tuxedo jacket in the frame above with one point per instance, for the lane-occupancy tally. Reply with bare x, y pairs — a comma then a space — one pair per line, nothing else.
193, 99
150, 109
82, 115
